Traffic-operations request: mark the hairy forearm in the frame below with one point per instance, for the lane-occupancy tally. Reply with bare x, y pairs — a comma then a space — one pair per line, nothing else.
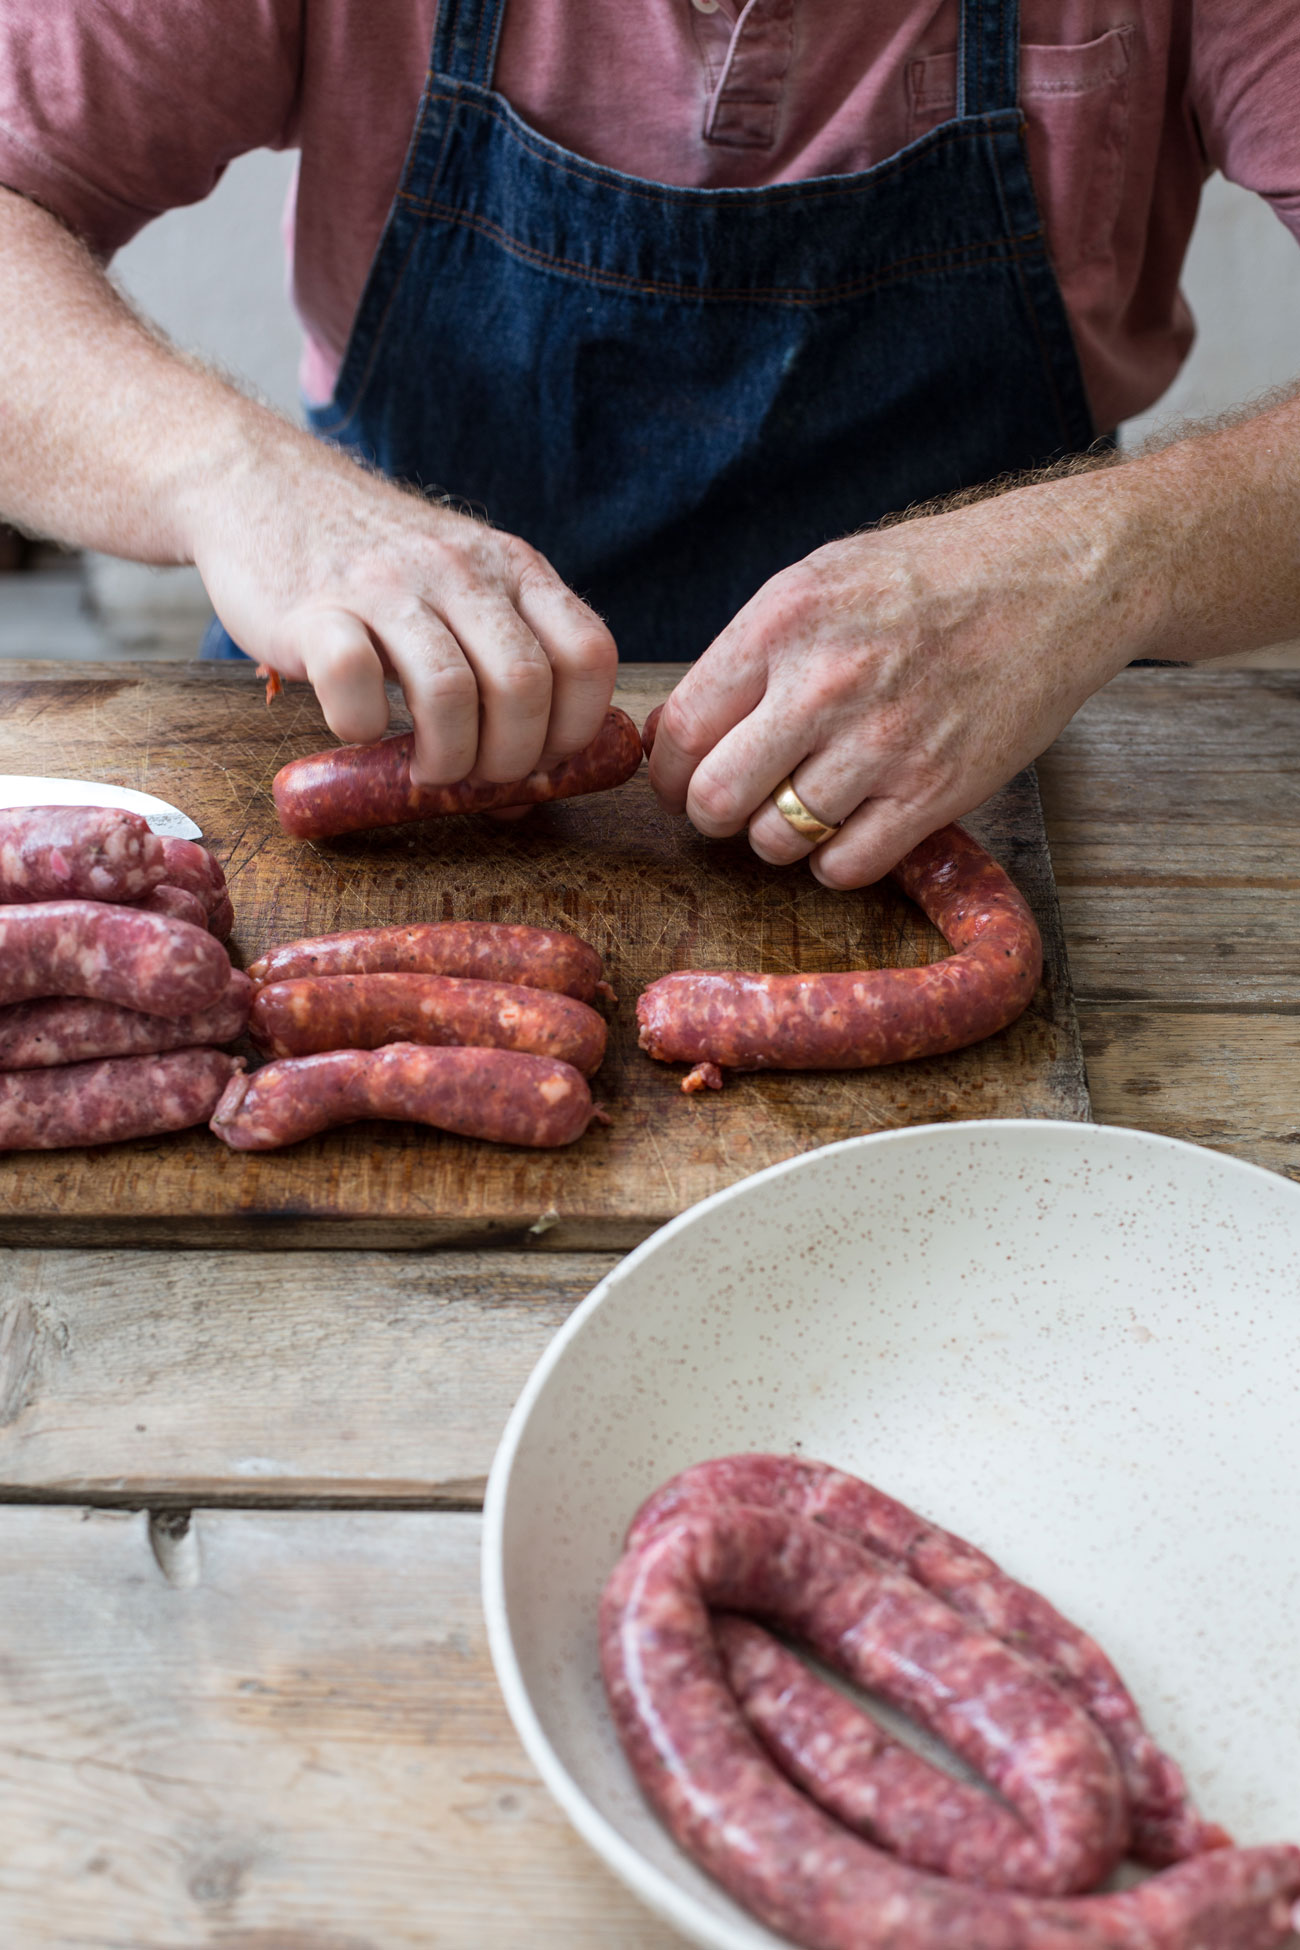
108, 436
1197, 539
1224, 506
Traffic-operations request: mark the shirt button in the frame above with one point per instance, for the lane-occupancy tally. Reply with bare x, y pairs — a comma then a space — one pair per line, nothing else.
706, 6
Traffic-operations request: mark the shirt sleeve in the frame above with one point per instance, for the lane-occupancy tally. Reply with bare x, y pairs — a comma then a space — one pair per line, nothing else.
114, 111
1245, 95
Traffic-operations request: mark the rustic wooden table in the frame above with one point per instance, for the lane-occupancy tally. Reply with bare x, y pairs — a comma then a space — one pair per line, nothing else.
247, 1702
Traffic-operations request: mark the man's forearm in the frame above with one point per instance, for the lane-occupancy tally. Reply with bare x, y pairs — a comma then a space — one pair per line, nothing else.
106, 433
1205, 533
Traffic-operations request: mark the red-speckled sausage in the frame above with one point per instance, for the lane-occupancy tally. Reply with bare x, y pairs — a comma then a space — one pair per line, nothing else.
37, 1035
111, 954
104, 1103
179, 902
364, 1011
803, 1873
356, 787
1166, 1827
886, 1015
479, 1093
77, 853
485, 951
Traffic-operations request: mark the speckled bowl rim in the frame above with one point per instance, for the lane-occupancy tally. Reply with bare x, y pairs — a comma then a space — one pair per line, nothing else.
651, 1885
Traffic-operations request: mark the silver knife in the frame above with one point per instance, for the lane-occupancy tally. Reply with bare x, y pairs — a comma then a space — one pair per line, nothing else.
16, 790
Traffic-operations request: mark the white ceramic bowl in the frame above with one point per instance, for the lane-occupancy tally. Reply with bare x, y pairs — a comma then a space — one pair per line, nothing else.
1077, 1346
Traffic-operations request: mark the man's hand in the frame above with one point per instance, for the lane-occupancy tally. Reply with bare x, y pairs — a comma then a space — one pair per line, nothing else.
902, 675
110, 439
324, 571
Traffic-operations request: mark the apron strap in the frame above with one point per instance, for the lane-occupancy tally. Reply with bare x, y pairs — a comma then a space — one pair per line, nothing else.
465, 40
988, 57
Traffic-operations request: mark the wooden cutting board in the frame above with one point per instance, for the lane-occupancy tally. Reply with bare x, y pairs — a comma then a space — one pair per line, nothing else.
645, 888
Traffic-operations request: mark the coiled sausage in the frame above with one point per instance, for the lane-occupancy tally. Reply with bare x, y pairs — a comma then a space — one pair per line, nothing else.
104, 1103
497, 1094
356, 787
77, 853
485, 951
111, 954
38, 1035
1166, 1827
299, 1018
788, 1861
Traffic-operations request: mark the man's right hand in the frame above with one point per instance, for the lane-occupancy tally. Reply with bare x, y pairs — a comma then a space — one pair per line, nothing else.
327, 572
112, 440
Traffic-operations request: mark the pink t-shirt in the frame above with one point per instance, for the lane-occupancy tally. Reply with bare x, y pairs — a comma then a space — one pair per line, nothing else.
113, 112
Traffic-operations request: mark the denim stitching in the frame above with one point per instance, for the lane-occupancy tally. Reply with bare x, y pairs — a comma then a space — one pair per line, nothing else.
960, 258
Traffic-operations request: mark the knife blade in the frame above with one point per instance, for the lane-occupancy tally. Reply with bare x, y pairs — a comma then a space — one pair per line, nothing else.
19, 790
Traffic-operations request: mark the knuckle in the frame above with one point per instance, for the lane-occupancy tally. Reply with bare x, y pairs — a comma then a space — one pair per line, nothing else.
450, 687
842, 872
686, 728
524, 684
591, 651
713, 805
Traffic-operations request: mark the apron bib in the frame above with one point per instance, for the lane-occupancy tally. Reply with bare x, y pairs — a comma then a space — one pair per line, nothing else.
675, 393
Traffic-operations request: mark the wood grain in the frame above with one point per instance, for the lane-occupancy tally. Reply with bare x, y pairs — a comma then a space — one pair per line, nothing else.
1173, 806
275, 1732
183, 1378
644, 888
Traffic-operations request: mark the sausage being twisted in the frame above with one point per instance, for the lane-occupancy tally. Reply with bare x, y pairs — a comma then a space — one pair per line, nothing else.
356, 787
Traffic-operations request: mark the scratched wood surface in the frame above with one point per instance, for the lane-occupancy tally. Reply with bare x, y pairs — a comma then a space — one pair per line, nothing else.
644, 888
275, 1731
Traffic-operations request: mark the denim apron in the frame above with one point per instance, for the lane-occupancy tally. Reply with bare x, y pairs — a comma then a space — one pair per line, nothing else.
674, 393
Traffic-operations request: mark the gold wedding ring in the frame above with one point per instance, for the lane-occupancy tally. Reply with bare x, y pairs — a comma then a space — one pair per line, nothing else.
794, 812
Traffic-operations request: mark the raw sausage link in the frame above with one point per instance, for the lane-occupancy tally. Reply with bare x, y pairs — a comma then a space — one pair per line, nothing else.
801, 1872
37, 1035
880, 1789
77, 853
200, 873
1166, 1827
191, 866
886, 1015
356, 787
112, 954
479, 1093
179, 902
328, 1012
1066, 1826
104, 1103
485, 951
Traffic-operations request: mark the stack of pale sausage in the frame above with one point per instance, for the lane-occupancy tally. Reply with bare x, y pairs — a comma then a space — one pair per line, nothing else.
473, 1027
833, 1833
115, 989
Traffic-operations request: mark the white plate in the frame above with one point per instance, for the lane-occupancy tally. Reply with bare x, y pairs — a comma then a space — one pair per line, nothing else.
1077, 1346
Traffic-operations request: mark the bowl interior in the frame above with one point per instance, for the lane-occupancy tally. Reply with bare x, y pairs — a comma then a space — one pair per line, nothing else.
1077, 1346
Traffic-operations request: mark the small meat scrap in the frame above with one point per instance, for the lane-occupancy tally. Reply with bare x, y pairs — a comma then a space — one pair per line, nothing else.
274, 684
705, 1076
